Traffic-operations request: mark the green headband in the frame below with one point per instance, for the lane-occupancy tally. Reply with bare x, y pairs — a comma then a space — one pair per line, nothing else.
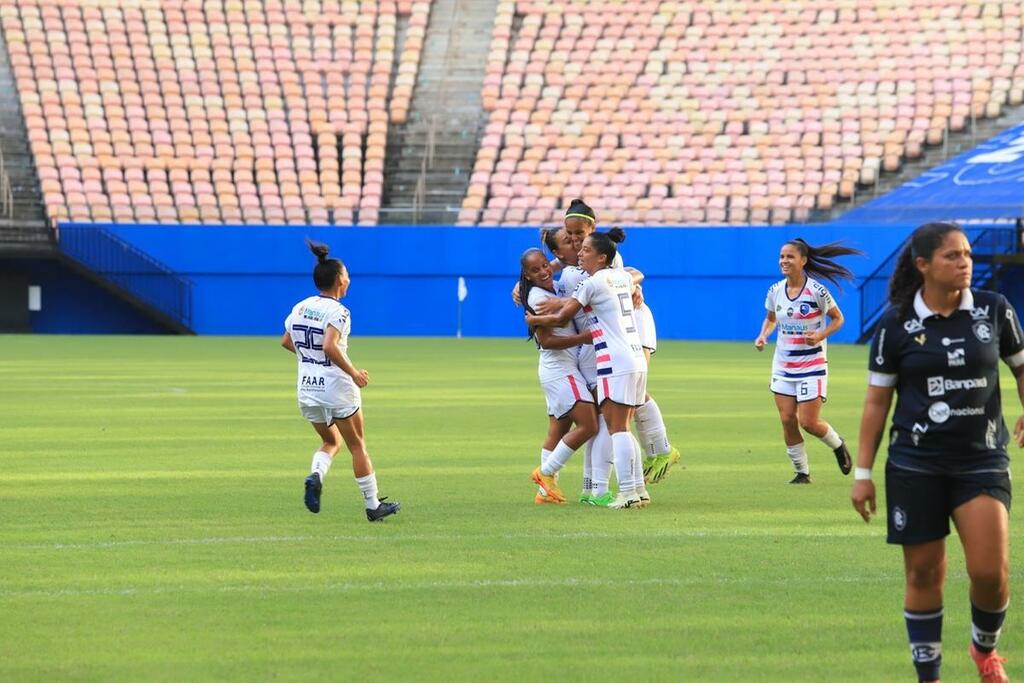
581, 215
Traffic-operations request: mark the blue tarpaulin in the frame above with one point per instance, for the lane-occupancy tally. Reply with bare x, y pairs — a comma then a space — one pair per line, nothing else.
984, 184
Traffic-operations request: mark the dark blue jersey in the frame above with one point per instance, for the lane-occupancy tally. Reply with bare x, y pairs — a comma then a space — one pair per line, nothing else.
948, 415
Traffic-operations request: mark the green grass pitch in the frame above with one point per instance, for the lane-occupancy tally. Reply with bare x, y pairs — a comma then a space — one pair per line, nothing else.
152, 527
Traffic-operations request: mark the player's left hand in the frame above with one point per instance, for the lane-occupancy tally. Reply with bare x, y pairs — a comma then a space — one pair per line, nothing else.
1018, 431
814, 338
638, 297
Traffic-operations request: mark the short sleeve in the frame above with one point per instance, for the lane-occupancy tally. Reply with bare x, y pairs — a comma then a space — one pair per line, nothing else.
1011, 338
884, 363
288, 322
339, 319
584, 292
826, 302
769, 305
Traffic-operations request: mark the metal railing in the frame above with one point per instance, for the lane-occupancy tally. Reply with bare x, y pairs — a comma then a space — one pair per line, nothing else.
986, 243
6, 190
129, 269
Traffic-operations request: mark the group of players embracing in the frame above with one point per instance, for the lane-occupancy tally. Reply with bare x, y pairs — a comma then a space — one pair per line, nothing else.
596, 337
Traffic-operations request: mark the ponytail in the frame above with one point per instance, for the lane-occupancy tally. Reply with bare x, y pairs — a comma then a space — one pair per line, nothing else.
821, 262
906, 278
327, 270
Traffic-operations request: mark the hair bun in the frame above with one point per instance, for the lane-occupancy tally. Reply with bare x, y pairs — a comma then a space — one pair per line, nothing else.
319, 250
617, 235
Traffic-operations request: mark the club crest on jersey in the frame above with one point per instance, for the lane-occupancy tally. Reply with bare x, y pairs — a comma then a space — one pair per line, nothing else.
913, 325
805, 309
789, 312
979, 313
921, 339
983, 331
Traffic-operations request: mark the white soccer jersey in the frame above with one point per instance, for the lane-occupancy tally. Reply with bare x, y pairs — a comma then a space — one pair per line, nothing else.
568, 281
797, 317
320, 382
554, 363
607, 299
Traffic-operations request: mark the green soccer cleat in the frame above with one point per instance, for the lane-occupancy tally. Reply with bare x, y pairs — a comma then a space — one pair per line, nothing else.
648, 465
662, 465
604, 500
585, 497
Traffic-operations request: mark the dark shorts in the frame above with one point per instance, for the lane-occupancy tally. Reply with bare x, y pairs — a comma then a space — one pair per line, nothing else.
920, 504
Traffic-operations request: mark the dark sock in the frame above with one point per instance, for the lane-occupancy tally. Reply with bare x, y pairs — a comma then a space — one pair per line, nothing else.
985, 627
924, 631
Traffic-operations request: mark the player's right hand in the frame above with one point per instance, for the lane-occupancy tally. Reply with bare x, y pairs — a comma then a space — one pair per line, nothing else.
549, 307
863, 498
759, 343
515, 295
361, 378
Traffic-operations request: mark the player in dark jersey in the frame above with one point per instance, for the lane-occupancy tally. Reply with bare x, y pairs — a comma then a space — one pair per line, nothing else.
938, 347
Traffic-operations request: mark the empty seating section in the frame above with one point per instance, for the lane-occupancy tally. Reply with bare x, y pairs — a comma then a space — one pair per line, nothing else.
735, 111
212, 111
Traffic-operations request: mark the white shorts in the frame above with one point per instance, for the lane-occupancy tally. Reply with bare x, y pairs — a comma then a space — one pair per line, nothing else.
629, 389
587, 363
564, 393
645, 328
801, 389
326, 415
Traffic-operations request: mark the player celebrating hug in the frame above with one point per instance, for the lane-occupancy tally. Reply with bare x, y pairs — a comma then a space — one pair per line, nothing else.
798, 305
938, 348
607, 298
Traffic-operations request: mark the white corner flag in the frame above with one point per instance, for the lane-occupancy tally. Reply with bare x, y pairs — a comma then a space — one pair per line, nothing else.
463, 292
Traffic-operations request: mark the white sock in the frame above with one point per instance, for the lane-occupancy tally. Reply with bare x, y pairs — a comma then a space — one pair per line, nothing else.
321, 463
638, 464
557, 459
368, 485
831, 439
622, 448
544, 453
601, 458
650, 426
799, 457
588, 480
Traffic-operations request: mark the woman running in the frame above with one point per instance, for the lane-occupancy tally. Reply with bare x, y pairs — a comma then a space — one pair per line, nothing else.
606, 297
938, 347
316, 331
568, 399
797, 305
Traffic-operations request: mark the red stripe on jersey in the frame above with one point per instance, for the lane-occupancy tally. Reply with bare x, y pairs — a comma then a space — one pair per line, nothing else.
819, 387
588, 309
800, 364
597, 332
575, 389
606, 358
606, 392
809, 316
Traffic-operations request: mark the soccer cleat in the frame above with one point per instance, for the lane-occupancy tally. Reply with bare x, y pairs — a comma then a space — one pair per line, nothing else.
604, 500
584, 497
549, 485
544, 499
383, 510
843, 458
800, 478
990, 666
313, 488
626, 499
645, 498
648, 467
662, 464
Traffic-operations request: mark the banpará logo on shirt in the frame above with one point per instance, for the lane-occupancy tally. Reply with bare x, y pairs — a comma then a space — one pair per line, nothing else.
938, 386
940, 411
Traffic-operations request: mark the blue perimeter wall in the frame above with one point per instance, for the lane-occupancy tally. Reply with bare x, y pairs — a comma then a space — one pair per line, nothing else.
702, 283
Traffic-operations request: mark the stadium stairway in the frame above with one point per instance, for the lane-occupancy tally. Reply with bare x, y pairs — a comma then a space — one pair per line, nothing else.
24, 225
429, 159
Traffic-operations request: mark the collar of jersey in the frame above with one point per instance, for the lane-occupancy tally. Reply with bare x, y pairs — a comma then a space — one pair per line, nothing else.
923, 312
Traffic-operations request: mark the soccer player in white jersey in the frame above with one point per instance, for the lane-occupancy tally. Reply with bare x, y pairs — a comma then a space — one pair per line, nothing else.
798, 305
660, 455
568, 399
316, 331
607, 298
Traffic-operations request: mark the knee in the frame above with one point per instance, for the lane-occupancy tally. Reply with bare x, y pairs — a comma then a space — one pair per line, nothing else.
809, 426
789, 421
993, 577
926, 577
